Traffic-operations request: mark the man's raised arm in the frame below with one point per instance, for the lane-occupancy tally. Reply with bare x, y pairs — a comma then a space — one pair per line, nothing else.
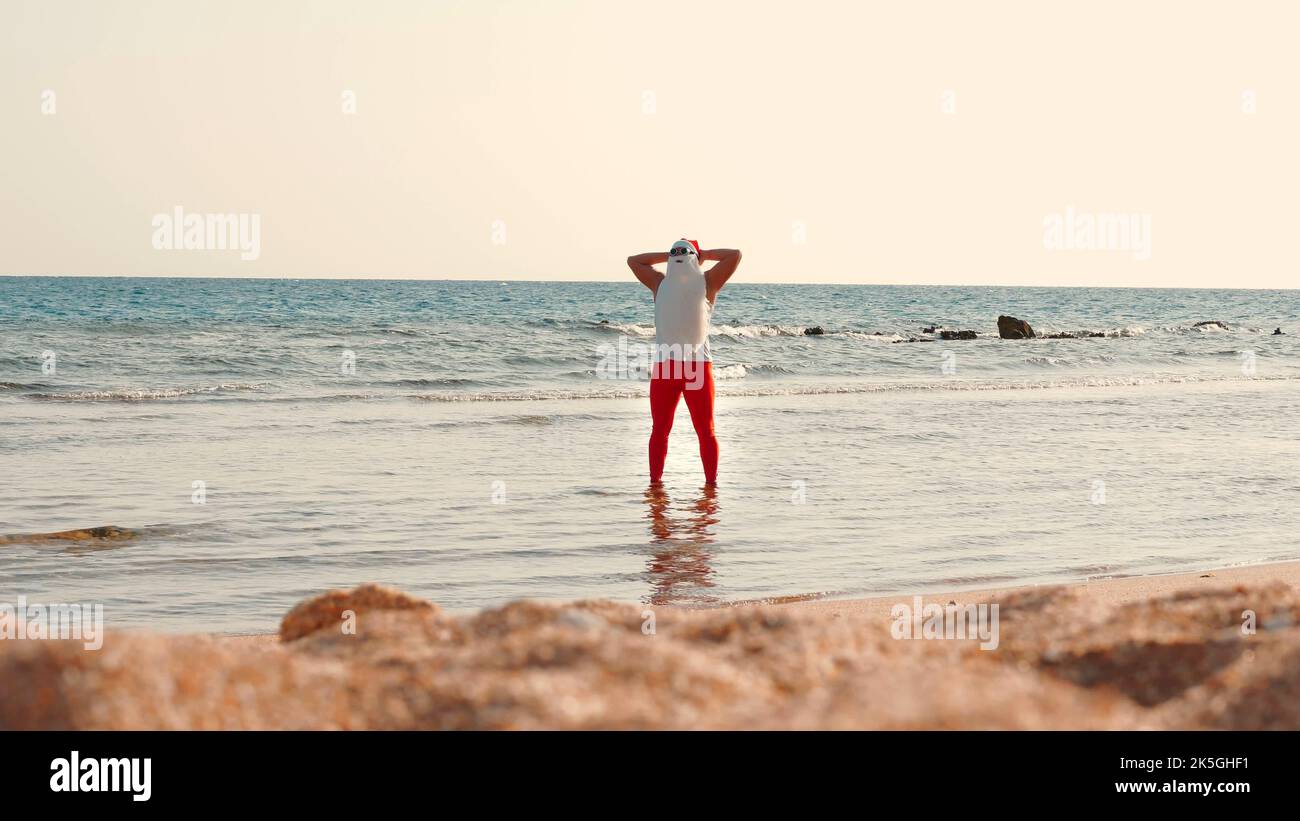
727, 260
642, 266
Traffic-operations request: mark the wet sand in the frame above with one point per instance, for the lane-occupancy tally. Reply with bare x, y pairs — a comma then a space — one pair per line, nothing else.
1109, 591
1201, 650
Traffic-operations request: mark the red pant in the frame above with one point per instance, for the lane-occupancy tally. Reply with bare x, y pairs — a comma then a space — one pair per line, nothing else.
668, 381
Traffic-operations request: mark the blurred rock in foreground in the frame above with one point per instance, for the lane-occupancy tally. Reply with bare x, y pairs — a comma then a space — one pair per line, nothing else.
1064, 661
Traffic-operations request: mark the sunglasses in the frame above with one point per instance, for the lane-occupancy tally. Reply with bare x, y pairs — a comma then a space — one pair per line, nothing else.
681, 250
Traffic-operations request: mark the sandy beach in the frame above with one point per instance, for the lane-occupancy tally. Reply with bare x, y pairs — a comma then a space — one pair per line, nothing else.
1210, 650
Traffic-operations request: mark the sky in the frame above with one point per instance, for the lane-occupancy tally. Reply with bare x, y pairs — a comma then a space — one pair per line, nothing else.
914, 143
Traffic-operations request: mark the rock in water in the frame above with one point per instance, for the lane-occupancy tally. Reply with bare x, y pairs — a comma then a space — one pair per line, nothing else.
84, 534
950, 335
1011, 328
816, 330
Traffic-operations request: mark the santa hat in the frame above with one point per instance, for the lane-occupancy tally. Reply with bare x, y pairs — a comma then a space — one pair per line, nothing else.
693, 243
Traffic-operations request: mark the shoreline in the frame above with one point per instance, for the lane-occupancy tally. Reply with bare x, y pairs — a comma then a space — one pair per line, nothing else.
1112, 591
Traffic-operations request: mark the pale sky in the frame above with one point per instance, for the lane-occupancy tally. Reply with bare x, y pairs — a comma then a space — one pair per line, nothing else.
918, 142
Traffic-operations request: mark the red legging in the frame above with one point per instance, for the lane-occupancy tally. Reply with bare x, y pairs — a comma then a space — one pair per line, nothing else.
668, 381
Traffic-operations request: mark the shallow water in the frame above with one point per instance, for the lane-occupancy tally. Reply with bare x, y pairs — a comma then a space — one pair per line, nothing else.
850, 465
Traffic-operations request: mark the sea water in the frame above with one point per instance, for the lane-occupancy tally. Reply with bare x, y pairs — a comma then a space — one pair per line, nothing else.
469, 442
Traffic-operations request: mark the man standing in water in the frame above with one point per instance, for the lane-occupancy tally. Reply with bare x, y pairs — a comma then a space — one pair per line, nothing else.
684, 296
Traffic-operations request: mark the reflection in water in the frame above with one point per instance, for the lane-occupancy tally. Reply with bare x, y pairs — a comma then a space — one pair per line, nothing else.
680, 569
